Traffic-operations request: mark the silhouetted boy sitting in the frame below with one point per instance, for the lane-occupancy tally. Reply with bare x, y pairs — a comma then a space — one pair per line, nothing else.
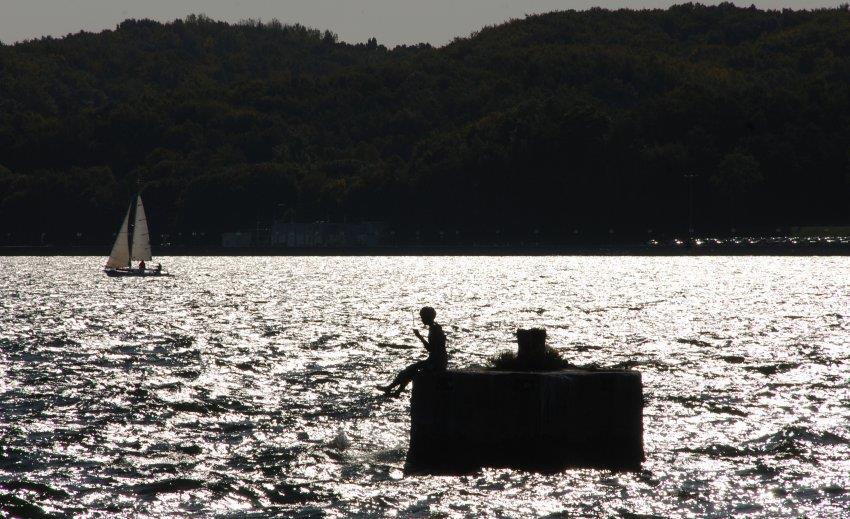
437, 359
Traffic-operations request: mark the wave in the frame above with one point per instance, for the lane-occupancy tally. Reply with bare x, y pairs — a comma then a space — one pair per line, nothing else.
397, 346
204, 408
323, 340
290, 494
792, 441
772, 369
17, 507
725, 409
179, 340
14, 459
625, 514
695, 342
629, 364
44, 491
759, 469
167, 486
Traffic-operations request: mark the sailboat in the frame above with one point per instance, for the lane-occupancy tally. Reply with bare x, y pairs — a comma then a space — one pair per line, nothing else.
129, 248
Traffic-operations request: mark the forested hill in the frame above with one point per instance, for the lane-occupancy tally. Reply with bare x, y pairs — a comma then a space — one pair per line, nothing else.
566, 121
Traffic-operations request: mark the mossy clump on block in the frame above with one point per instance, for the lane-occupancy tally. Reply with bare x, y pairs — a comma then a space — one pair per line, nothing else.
531, 344
510, 361
532, 354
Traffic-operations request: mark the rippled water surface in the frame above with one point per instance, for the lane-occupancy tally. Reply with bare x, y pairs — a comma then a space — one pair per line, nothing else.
244, 386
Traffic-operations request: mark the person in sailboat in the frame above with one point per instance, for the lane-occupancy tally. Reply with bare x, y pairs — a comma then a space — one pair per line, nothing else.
437, 359
158, 268
142, 266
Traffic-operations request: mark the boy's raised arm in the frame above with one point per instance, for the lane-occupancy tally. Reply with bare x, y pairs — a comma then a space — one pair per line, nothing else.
424, 341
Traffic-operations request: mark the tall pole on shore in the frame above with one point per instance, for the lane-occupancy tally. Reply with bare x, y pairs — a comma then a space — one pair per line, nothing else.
690, 177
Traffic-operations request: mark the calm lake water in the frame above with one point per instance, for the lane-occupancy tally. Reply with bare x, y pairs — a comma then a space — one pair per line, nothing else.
244, 386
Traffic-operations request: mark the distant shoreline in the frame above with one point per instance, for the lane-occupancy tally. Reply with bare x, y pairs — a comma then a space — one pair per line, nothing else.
542, 250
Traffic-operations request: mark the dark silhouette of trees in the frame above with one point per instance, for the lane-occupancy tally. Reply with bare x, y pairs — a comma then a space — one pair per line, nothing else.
569, 121
736, 176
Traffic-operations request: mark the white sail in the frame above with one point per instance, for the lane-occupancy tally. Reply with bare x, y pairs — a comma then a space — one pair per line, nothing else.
141, 250
120, 255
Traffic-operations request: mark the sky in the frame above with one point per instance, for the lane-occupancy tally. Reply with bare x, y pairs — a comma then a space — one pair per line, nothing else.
392, 22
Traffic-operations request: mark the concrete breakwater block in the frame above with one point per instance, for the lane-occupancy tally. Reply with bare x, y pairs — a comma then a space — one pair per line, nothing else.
462, 420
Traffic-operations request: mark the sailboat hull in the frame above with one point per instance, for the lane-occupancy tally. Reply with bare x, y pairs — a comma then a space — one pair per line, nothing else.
116, 273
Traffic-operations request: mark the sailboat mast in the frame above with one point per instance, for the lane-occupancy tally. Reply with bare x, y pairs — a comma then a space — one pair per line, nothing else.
131, 229
141, 235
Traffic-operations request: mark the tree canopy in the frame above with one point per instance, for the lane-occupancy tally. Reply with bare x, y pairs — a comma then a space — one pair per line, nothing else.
568, 121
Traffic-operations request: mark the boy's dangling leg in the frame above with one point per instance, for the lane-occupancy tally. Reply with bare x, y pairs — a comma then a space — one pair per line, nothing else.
406, 376
403, 378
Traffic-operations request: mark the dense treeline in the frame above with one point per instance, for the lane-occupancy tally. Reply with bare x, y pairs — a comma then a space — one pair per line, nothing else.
567, 121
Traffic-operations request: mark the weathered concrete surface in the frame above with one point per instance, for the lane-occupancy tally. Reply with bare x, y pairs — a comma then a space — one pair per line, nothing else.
545, 421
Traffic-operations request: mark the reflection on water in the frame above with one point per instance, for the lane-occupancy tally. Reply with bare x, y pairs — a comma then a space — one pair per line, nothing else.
246, 384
